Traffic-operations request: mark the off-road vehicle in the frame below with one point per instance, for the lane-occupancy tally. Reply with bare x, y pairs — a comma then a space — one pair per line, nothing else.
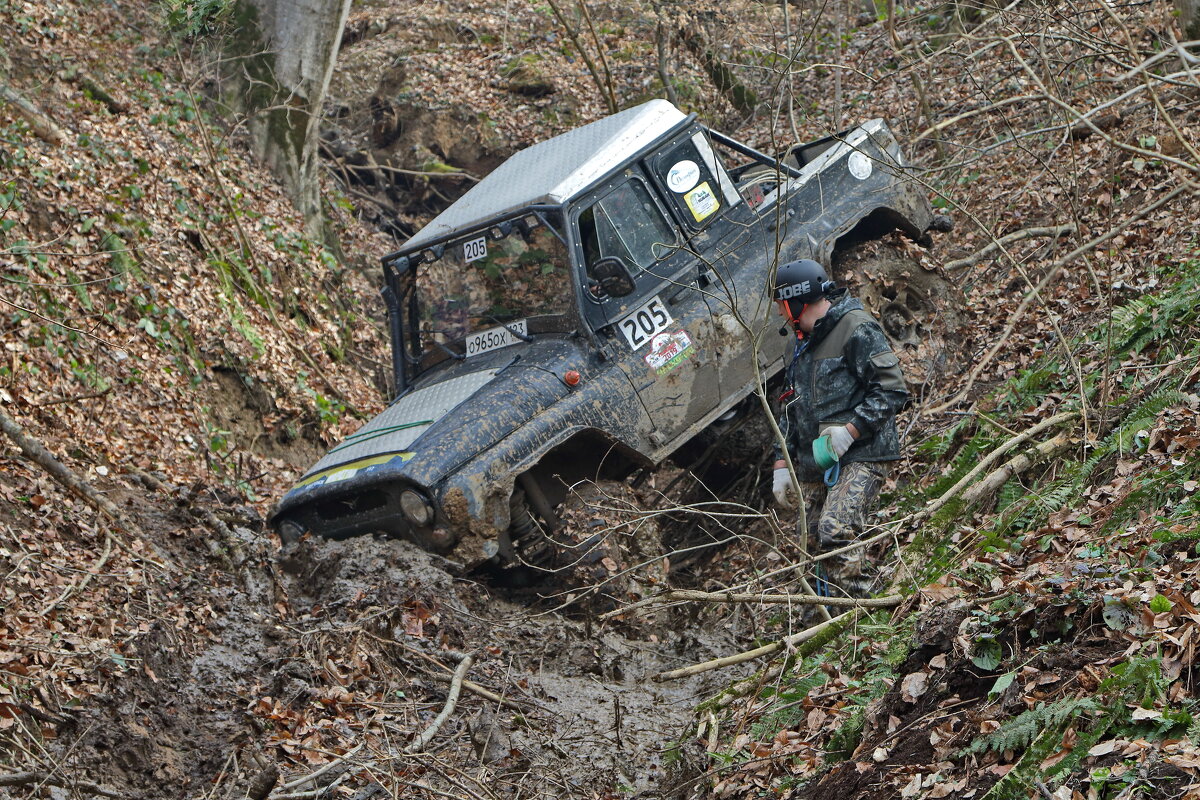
591, 305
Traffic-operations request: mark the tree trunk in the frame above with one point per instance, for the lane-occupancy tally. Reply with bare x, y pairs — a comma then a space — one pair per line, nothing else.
1189, 18
280, 62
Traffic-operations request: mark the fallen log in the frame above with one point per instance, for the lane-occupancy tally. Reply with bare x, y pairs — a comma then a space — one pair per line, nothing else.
46, 128
830, 627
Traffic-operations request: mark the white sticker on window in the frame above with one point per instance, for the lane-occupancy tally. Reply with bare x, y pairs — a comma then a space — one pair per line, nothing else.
859, 164
701, 202
475, 249
683, 176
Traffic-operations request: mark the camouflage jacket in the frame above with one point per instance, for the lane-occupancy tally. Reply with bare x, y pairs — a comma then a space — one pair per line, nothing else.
844, 371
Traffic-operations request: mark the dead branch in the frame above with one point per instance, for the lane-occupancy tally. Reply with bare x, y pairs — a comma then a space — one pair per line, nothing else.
1052, 275
215, 523
262, 783
460, 674
30, 778
835, 624
46, 128
988, 460
1026, 233
779, 599
1082, 130
1016, 466
37, 452
84, 80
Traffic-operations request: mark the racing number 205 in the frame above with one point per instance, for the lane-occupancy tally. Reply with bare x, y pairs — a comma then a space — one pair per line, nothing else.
640, 326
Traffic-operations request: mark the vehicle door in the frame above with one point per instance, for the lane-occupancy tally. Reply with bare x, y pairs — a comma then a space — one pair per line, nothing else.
734, 253
661, 332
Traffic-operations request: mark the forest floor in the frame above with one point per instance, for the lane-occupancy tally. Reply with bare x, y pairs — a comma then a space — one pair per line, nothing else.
172, 337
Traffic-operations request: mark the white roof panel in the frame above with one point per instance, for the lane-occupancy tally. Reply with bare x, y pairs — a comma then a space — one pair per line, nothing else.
554, 171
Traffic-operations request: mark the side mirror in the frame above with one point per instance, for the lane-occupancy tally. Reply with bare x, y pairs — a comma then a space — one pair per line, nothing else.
613, 277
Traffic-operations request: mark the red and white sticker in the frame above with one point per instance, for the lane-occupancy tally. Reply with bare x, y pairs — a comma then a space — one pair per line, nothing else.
668, 351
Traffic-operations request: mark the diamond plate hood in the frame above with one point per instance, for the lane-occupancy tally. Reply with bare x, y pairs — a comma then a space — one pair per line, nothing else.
445, 421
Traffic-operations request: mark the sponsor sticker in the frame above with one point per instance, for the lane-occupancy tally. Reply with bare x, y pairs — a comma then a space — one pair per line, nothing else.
668, 351
859, 165
702, 202
683, 176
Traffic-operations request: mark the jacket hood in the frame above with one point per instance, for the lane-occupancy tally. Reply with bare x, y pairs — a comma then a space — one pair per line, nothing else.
841, 304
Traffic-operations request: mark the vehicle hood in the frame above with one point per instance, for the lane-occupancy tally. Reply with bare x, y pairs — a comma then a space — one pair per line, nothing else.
444, 420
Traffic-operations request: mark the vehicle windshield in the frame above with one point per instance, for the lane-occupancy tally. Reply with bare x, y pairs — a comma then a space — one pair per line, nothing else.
483, 283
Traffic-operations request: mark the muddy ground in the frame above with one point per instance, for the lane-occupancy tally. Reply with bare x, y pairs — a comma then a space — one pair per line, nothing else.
293, 657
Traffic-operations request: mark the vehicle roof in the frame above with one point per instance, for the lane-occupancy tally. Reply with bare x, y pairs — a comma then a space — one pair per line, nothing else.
553, 171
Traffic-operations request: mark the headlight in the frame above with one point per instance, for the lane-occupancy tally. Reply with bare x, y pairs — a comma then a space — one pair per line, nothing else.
416, 508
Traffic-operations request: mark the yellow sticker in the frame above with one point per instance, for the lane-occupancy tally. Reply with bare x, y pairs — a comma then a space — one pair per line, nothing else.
346, 471
702, 202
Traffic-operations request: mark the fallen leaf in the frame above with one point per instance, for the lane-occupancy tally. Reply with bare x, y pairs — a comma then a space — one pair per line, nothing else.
913, 686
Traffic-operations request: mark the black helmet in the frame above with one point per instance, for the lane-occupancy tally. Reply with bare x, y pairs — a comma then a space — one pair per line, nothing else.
804, 281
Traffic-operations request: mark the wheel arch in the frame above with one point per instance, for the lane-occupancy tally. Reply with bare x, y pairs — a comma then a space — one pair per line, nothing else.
875, 225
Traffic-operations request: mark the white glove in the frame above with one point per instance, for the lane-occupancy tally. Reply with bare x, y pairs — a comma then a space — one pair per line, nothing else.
840, 440
781, 487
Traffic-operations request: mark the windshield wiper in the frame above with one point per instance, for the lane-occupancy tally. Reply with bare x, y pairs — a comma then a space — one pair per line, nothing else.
449, 352
524, 337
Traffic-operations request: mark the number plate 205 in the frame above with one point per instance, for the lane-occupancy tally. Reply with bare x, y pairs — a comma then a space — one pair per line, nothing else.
641, 325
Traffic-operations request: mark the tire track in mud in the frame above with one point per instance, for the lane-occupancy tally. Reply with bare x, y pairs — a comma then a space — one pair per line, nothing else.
593, 721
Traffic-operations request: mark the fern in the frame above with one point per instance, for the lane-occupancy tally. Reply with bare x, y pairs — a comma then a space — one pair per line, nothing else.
1023, 729
1069, 486
1016, 783
1149, 318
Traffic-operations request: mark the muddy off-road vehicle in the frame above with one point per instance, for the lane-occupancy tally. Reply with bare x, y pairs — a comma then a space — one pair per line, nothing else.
589, 307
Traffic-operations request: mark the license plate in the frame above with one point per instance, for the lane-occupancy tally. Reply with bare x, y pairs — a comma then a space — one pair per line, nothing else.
641, 325
495, 338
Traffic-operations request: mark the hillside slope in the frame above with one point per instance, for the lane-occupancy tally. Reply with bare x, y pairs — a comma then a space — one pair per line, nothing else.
172, 338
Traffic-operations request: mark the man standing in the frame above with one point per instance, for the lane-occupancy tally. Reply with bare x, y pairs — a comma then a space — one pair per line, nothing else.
844, 383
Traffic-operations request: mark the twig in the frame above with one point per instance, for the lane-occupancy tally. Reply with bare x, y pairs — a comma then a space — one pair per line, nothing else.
470, 686
76, 588
27, 778
296, 783
1026, 233
486, 694
791, 599
791, 641
75, 399
460, 673
1052, 275
609, 100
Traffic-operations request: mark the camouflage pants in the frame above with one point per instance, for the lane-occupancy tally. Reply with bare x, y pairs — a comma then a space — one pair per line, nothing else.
837, 517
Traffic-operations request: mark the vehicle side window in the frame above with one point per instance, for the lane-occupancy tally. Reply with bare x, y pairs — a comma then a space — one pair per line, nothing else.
628, 224
696, 181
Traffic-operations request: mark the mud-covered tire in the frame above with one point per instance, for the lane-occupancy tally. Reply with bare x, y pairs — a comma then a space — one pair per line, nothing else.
289, 532
919, 308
